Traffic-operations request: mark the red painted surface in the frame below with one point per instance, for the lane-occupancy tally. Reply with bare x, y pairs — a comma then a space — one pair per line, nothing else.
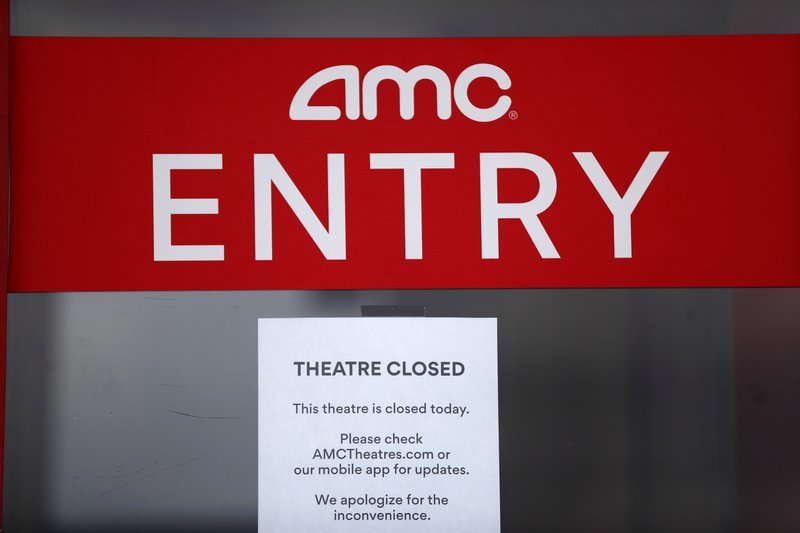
723, 210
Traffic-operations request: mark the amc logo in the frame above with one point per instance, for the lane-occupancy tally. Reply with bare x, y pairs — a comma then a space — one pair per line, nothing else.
361, 96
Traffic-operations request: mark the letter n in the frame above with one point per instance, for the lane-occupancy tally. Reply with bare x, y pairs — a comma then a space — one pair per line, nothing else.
267, 171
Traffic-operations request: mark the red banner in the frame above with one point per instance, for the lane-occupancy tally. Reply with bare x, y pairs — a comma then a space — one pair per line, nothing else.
149, 164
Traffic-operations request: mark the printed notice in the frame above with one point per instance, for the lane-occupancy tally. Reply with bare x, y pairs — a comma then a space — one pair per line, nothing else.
378, 425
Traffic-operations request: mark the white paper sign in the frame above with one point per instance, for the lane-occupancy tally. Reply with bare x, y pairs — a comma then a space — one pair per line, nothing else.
378, 425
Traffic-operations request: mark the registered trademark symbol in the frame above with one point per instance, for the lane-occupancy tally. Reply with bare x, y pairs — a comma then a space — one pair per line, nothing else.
513, 115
